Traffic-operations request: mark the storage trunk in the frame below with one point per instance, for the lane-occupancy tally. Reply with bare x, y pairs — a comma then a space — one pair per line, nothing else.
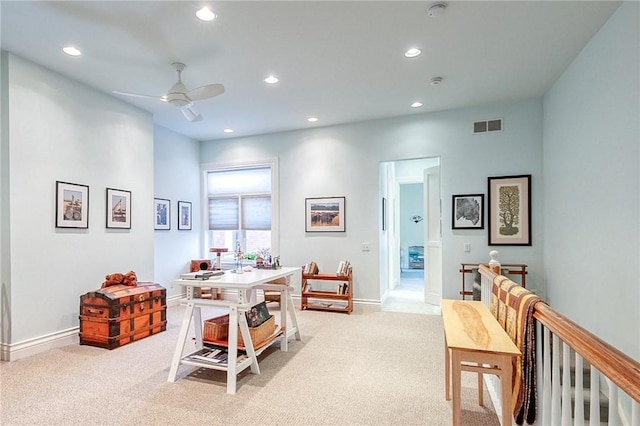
114, 316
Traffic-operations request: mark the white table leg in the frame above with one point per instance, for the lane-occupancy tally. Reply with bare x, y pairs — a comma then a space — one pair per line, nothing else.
182, 340
197, 326
232, 357
284, 303
248, 343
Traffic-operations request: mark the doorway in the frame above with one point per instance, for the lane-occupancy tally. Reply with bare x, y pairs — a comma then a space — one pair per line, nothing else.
410, 255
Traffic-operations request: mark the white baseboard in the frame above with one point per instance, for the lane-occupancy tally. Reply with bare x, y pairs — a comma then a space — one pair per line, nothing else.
26, 348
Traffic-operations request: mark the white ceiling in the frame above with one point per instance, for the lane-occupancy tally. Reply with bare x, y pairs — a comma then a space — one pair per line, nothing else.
341, 61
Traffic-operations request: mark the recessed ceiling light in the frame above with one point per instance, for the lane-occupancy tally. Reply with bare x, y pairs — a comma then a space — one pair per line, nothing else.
416, 104
312, 119
412, 53
206, 14
272, 79
228, 130
71, 51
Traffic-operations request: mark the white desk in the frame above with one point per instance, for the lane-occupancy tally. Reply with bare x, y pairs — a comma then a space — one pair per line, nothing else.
246, 285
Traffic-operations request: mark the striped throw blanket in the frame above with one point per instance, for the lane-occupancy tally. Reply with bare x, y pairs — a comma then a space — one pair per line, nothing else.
513, 307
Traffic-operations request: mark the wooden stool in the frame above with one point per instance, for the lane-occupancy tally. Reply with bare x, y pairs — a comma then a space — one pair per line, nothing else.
274, 296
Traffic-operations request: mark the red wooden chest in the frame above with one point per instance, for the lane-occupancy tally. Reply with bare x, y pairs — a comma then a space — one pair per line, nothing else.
114, 316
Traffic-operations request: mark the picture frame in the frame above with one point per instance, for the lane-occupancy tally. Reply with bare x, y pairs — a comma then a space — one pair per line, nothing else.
467, 211
118, 208
72, 205
162, 210
509, 210
384, 214
184, 215
325, 214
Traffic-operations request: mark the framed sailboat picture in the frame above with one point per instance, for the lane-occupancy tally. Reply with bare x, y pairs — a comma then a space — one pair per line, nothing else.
118, 208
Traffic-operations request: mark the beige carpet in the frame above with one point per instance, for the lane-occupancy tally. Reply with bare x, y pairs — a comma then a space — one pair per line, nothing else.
376, 368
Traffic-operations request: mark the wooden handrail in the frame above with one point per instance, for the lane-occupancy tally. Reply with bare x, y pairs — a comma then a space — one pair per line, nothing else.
617, 366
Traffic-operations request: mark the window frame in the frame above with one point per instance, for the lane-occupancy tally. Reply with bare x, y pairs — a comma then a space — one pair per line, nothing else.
205, 168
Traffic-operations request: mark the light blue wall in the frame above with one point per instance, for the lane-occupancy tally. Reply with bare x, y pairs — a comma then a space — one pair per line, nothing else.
344, 161
411, 233
59, 129
592, 185
176, 178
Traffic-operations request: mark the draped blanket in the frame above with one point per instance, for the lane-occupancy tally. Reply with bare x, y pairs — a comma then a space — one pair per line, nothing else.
513, 307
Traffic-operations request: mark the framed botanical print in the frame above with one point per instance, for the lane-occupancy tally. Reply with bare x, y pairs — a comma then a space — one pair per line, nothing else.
510, 210
467, 211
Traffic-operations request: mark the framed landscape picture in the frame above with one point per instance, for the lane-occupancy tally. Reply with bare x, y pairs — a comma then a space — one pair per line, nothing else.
162, 214
118, 208
325, 214
510, 210
72, 205
467, 211
184, 215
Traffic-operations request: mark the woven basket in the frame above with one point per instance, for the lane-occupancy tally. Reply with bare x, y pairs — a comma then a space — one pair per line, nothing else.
218, 329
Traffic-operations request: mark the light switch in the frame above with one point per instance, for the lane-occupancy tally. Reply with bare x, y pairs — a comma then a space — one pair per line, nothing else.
467, 247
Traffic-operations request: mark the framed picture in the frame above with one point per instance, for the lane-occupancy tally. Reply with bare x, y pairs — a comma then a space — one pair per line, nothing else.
72, 205
118, 208
162, 214
325, 214
510, 210
384, 214
184, 215
467, 211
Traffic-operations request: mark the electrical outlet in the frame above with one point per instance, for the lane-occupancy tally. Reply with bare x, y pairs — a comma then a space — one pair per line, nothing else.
366, 247
467, 247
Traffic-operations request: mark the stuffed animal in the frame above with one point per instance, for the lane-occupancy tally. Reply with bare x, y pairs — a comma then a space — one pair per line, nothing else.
129, 279
112, 279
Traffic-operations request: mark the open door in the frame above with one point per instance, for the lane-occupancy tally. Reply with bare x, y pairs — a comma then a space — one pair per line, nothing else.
432, 237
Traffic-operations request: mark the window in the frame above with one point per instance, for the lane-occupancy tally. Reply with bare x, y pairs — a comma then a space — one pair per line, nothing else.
239, 203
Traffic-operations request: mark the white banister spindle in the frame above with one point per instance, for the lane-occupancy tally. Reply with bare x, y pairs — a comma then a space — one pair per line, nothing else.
614, 419
594, 397
635, 413
566, 384
546, 386
578, 412
555, 382
539, 364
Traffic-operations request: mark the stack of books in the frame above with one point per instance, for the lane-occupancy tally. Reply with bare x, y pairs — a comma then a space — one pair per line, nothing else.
343, 267
311, 268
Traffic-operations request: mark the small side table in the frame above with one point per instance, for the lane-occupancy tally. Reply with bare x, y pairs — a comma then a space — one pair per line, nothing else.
506, 269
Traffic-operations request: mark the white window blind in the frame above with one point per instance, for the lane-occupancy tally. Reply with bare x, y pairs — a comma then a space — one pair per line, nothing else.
239, 199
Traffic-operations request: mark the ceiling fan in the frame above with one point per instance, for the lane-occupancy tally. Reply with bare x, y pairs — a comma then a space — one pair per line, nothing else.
179, 96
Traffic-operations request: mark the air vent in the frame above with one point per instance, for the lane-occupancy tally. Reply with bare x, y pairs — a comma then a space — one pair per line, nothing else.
487, 126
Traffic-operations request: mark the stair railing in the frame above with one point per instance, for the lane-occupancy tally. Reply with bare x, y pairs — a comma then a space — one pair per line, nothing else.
561, 378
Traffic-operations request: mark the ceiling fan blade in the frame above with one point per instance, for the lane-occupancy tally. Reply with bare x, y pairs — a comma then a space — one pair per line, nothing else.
204, 92
136, 95
191, 113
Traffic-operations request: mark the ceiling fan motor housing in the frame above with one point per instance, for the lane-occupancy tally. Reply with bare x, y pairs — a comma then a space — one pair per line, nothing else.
178, 99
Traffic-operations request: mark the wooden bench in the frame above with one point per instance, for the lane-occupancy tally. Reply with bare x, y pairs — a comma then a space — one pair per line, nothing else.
475, 341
